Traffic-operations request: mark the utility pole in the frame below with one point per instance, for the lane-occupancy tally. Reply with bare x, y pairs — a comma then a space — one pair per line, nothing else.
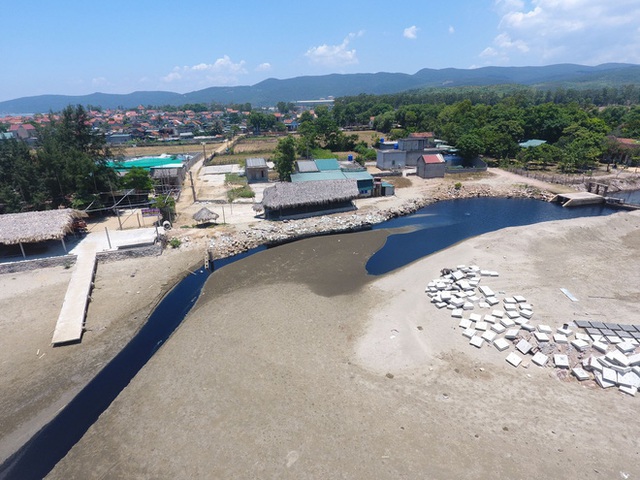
193, 188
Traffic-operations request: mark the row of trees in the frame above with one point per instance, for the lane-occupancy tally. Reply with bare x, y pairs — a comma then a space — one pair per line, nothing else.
68, 168
493, 122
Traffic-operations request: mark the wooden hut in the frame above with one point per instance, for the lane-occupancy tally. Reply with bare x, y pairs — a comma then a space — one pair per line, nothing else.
34, 227
309, 198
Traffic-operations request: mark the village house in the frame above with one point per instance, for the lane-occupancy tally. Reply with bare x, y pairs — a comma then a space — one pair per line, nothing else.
431, 166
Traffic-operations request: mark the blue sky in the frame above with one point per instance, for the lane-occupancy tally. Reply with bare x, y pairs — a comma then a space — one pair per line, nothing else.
75, 47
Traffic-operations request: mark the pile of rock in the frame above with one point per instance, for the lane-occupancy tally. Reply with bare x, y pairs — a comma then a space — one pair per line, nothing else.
606, 353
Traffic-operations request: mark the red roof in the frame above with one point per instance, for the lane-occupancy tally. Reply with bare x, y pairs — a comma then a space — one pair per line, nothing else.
422, 135
433, 158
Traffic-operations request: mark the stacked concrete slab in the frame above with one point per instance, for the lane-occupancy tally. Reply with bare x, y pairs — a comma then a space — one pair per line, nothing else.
607, 353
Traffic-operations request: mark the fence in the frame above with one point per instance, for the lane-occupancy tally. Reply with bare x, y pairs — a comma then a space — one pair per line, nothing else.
558, 178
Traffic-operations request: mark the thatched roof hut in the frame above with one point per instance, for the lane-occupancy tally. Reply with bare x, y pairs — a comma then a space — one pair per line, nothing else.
302, 197
205, 215
31, 227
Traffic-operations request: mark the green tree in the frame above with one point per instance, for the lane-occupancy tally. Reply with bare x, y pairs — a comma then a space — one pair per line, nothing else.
285, 156
139, 179
470, 146
72, 159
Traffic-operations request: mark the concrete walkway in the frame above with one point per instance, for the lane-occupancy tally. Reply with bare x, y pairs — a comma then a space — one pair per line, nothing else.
71, 319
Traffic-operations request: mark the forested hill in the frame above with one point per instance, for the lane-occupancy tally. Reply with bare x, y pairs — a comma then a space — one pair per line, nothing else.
271, 91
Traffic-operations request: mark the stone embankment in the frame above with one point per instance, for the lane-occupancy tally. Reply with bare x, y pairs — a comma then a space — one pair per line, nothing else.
270, 233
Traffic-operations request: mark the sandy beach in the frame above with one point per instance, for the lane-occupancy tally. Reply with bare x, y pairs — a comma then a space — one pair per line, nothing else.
329, 376
279, 373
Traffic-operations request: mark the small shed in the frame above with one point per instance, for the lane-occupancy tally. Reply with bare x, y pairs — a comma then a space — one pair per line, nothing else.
256, 170
431, 166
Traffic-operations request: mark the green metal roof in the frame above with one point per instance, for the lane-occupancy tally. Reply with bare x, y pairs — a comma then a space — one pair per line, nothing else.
146, 162
324, 164
358, 175
315, 176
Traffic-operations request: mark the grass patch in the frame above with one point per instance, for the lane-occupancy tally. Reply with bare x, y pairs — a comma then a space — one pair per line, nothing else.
234, 179
240, 192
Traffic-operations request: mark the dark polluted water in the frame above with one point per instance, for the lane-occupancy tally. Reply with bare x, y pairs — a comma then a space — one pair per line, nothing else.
438, 226
36, 458
430, 229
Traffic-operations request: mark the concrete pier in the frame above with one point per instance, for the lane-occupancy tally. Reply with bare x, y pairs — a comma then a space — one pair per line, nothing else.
72, 315
577, 199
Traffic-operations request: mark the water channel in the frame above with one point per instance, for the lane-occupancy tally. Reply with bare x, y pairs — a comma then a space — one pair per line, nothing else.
431, 229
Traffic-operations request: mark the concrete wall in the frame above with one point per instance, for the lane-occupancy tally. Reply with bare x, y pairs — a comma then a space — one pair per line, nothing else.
391, 159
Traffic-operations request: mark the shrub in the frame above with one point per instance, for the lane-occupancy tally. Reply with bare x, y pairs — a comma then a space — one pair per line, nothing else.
175, 242
457, 186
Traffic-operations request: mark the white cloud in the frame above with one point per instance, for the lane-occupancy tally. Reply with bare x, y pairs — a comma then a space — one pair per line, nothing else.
263, 67
100, 82
221, 72
452, 30
578, 31
334, 55
411, 32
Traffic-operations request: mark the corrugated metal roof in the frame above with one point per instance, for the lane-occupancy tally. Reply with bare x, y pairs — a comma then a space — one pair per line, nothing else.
358, 175
324, 164
255, 163
305, 166
316, 176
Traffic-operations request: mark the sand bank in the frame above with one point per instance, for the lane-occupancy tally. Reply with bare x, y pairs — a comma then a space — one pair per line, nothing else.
322, 372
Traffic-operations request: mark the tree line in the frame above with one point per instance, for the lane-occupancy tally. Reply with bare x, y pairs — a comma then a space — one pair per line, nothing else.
68, 168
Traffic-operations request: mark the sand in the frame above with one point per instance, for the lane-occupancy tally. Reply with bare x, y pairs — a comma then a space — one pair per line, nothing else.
280, 374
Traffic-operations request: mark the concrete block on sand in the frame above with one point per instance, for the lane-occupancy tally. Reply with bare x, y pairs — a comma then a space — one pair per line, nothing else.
441, 304
514, 359
475, 317
457, 313
476, 341
489, 319
617, 357
609, 375
634, 359
497, 313
496, 327
469, 332
507, 322
580, 345
523, 346
464, 323
580, 374
545, 329
541, 337
489, 336
565, 331
560, 360
501, 344
629, 390
467, 306
510, 307
483, 326
601, 381
540, 359
583, 336
508, 300
601, 347
626, 347
512, 333
629, 379
519, 298
486, 291
491, 301
526, 313
528, 327
560, 338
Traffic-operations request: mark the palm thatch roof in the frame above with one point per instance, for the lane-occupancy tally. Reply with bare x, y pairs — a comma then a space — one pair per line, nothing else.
32, 227
205, 215
288, 195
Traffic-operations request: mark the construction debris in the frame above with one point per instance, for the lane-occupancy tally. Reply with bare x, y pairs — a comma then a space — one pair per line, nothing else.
603, 352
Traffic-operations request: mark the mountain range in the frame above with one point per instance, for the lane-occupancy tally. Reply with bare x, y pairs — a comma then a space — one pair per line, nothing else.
271, 91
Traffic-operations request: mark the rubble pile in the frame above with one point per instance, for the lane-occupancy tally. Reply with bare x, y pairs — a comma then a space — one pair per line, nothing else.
607, 353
